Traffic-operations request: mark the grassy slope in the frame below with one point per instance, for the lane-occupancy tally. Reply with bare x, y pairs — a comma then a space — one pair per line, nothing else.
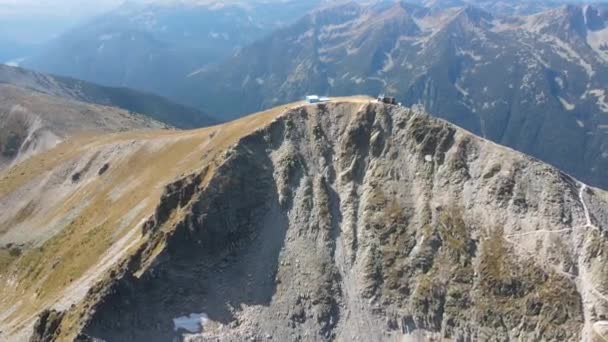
43, 272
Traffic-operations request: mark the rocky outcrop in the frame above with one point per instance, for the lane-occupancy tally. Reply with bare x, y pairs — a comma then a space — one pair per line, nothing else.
357, 221
45, 329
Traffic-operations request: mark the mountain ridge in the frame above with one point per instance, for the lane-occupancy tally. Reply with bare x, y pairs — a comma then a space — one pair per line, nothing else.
151, 105
348, 230
33, 122
153, 46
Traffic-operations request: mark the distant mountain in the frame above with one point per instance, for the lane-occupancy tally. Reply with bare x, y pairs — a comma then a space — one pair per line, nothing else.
32, 122
496, 6
535, 83
154, 106
153, 46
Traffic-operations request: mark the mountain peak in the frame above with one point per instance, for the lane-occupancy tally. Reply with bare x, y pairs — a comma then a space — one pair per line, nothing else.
337, 209
475, 15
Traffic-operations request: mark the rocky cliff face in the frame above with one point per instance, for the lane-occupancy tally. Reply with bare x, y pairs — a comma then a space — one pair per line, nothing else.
357, 221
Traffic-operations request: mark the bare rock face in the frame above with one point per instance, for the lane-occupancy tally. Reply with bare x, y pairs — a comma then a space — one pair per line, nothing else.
360, 221
46, 326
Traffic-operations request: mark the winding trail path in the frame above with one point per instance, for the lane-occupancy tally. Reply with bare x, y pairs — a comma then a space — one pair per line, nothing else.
600, 328
581, 198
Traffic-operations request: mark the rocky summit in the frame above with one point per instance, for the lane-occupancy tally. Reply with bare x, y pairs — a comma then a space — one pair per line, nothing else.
342, 221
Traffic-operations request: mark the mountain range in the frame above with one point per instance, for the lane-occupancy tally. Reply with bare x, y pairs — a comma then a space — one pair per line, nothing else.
469, 209
39, 111
153, 46
347, 220
32, 122
151, 105
535, 83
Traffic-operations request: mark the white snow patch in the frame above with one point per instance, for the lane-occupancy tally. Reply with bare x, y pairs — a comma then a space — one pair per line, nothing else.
246, 81
389, 64
461, 90
428, 158
580, 123
566, 104
568, 53
15, 62
384, 83
195, 72
357, 80
351, 50
193, 323
305, 36
602, 99
598, 40
469, 53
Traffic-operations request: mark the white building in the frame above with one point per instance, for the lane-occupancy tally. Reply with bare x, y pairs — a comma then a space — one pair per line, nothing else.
313, 99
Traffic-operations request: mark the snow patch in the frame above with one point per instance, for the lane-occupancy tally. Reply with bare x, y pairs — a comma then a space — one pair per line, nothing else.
461, 90
580, 123
568, 53
357, 80
389, 64
566, 104
351, 51
384, 83
559, 82
193, 323
598, 40
195, 72
602, 99
469, 53
15, 62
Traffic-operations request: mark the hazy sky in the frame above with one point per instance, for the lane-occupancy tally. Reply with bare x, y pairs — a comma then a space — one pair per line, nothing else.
38, 20
61, 8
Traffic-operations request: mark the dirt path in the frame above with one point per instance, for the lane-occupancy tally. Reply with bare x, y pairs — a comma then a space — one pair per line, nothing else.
597, 327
